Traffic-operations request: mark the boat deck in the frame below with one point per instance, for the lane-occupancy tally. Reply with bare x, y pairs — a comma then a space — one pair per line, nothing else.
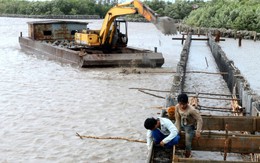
84, 57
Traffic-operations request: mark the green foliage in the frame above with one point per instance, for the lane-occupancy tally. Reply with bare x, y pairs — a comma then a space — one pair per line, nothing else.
234, 14
54, 7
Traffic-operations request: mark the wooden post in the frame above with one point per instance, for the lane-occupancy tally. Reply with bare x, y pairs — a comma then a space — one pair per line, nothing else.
217, 38
173, 154
182, 39
206, 61
239, 40
235, 34
226, 143
255, 36
199, 32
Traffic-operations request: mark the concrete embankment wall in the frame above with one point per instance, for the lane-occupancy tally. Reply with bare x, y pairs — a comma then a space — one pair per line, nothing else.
228, 33
235, 80
179, 77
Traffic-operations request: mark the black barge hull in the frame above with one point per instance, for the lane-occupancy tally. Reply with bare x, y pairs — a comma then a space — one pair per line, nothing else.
127, 57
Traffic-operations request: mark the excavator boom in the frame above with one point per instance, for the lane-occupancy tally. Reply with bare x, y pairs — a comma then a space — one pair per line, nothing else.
107, 32
165, 24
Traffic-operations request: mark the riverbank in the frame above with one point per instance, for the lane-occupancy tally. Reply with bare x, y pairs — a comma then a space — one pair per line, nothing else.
52, 16
227, 33
127, 18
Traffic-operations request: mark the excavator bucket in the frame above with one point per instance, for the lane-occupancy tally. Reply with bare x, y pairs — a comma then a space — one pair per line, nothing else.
166, 25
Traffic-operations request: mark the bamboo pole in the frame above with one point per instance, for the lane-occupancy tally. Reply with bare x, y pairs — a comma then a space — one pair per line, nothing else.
196, 39
154, 72
149, 89
217, 110
213, 107
221, 110
113, 138
205, 72
213, 98
151, 94
172, 72
204, 93
158, 107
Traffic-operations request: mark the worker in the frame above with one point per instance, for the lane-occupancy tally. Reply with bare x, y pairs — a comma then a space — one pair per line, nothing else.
188, 119
162, 131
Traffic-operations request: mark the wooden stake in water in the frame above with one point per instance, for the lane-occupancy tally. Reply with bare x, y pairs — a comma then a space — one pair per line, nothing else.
206, 61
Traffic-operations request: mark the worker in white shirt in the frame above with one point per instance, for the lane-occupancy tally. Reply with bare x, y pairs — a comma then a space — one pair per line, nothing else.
162, 131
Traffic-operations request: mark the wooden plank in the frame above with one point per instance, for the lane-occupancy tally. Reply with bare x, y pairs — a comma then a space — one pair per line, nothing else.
235, 123
197, 39
202, 39
257, 124
173, 154
193, 34
150, 154
218, 142
190, 160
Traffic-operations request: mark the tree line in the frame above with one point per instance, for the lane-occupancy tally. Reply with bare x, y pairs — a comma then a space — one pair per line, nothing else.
234, 14
177, 10
54, 7
229, 14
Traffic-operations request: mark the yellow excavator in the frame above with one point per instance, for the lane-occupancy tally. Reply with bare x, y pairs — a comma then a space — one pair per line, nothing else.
113, 33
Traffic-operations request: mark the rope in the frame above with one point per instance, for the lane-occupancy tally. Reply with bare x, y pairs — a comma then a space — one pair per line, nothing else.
114, 138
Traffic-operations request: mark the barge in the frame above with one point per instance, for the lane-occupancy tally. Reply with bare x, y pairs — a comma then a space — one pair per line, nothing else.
54, 40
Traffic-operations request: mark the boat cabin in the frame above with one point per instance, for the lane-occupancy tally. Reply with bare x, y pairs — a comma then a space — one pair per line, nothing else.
54, 29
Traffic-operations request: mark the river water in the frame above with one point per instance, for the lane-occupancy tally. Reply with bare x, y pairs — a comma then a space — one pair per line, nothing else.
43, 103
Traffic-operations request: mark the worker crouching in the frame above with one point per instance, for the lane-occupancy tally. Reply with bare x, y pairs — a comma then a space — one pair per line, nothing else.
162, 131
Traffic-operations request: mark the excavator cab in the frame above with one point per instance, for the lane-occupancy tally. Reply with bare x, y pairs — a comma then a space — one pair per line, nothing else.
120, 37
113, 33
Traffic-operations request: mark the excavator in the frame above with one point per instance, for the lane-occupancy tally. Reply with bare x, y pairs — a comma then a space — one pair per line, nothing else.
113, 33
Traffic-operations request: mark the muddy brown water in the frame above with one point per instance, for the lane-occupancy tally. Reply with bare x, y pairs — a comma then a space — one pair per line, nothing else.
43, 103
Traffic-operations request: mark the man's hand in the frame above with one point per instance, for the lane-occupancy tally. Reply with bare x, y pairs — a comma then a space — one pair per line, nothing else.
162, 143
197, 135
